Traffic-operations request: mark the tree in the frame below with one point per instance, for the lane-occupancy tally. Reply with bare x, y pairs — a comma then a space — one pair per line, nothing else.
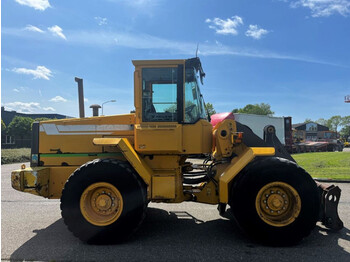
210, 109
257, 109
3, 126
308, 120
324, 122
345, 121
321, 121
335, 122
20, 126
345, 132
44, 119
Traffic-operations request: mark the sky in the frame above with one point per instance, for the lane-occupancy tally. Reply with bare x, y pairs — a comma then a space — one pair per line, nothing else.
291, 54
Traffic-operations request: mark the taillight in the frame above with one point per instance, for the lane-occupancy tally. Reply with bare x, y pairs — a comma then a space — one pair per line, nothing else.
34, 159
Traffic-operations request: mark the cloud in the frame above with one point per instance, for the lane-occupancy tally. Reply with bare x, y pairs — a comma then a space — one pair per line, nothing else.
22, 107
218, 43
49, 109
33, 29
36, 4
145, 42
225, 27
324, 8
15, 90
101, 20
58, 99
103, 39
57, 31
41, 72
149, 42
255, 32
30, 107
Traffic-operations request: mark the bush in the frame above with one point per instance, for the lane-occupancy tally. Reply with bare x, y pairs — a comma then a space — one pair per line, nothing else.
17, 155
20, 126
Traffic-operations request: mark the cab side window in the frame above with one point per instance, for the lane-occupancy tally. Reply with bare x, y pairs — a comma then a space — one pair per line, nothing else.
159, 94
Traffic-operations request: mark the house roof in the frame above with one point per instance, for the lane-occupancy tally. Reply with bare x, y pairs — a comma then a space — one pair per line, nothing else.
301, 124
7, 116
298, 124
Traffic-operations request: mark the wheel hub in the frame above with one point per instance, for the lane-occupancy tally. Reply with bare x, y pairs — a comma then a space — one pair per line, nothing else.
278, 204
275, 200
101, 204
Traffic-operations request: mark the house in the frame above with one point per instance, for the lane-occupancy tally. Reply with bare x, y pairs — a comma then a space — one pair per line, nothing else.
312, 132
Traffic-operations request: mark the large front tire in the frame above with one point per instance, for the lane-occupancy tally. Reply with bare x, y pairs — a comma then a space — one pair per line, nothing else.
275, 201
104, 201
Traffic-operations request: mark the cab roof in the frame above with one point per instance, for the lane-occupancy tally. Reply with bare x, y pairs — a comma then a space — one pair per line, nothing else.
158, 62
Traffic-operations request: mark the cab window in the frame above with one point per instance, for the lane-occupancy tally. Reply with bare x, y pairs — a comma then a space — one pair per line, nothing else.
159, 94
194, 104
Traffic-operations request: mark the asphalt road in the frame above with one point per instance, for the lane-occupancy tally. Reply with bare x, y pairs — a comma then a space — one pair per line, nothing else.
32, 229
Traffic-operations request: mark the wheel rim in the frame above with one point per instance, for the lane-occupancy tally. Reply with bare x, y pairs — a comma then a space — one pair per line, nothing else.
278, 204
101, 204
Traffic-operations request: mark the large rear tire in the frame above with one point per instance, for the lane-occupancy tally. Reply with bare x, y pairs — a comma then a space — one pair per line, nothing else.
275, 201
104, 201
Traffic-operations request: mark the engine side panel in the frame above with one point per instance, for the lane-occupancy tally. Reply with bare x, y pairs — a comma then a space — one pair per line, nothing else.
68, 142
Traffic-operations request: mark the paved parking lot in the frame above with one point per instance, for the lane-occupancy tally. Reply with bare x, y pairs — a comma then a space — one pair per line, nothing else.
32, 229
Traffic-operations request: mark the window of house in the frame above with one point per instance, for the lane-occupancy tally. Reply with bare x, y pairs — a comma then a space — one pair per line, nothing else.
10, 140
311, 127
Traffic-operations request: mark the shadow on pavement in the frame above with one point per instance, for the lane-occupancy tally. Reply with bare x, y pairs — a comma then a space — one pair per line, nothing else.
174, 236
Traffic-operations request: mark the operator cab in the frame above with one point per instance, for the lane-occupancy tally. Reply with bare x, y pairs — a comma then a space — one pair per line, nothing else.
168, 97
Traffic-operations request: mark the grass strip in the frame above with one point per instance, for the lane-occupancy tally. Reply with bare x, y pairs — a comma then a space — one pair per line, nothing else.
15, 155
326, 165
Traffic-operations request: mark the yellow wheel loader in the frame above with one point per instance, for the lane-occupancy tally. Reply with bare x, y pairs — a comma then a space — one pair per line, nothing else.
106, 169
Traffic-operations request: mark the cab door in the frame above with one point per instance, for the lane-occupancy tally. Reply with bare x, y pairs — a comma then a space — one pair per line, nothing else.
159, 129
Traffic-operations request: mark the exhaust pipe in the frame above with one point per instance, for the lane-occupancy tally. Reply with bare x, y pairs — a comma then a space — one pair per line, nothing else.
81, 96
95, 109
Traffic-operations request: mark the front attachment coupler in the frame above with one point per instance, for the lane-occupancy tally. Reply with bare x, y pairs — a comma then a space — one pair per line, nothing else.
330, 196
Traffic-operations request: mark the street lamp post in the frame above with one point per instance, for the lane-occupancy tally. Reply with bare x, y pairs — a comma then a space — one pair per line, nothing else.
107, 102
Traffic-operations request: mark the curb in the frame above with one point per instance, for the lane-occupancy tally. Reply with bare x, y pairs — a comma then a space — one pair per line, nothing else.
331, 180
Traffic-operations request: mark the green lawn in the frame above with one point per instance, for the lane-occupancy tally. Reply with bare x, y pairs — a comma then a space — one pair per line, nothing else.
16, 155
330, 165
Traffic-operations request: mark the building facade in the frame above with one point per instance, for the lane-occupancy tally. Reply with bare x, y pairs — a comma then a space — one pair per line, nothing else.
312, 132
